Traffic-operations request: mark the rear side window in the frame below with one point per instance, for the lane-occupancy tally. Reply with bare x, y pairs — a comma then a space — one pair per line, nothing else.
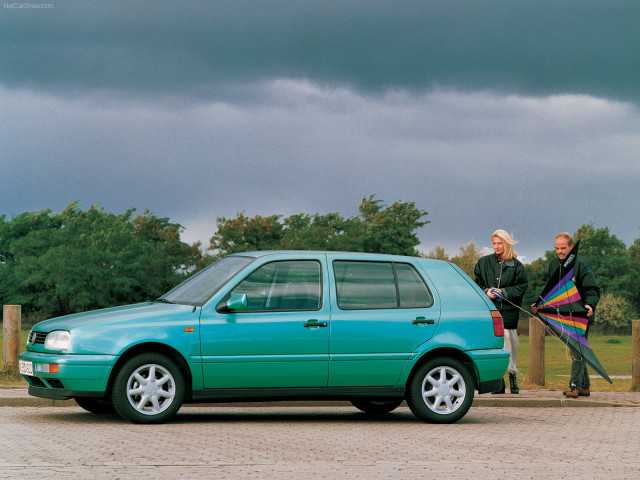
287, 285
367, 285
413, 292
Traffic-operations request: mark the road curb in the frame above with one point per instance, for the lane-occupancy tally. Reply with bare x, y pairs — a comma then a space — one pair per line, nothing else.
544, 402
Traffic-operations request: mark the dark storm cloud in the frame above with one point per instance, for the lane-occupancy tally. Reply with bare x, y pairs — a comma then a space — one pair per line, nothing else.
205, 48
520, 115
475, 162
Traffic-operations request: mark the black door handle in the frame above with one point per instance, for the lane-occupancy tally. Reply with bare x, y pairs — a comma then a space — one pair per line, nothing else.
422, 321
315, 323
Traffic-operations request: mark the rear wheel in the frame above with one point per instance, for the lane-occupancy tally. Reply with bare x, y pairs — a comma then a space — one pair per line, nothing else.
377, 407
95, 405
441, 391
149, 388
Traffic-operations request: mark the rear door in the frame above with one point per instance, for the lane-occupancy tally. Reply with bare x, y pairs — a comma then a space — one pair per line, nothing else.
281, 339
381, 312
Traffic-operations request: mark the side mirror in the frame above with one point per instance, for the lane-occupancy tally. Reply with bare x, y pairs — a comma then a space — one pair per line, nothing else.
237, 302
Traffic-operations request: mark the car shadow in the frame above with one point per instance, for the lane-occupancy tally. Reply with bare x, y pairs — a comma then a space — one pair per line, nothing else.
266, 415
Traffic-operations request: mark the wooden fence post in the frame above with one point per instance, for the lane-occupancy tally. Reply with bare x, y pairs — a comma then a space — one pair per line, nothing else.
536, 351
11, 319
635, 352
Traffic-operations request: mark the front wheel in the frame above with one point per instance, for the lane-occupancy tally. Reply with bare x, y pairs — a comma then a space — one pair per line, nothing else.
377, 407
441, 391
149, 388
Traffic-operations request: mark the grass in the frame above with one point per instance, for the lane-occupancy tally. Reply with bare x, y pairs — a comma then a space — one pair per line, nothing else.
613, 351
9, 374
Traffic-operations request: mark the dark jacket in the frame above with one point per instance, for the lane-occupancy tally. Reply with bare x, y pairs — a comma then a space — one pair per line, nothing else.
585, 281
510, 277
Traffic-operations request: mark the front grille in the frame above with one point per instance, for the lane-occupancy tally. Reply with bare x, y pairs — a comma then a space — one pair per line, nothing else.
37, 338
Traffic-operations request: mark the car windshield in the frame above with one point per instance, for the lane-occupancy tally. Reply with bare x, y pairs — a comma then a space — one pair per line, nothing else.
199, 288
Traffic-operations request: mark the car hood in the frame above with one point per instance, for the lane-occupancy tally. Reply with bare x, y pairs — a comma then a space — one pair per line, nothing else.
112, 315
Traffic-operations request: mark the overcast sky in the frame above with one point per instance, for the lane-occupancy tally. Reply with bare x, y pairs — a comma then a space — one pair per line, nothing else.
517, 115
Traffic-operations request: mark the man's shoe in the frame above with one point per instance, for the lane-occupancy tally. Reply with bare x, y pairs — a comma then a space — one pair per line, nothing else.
502, 388
573, 393
584, 392
571, 388
513, 383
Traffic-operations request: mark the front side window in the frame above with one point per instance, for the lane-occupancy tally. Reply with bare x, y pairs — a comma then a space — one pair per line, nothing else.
366, 285
284, 286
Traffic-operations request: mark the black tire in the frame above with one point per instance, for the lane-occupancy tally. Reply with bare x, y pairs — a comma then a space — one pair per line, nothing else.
149, 388
95, 405
377, 407
441, 391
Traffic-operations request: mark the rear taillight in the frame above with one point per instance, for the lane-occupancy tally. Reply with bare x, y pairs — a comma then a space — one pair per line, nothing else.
498, 325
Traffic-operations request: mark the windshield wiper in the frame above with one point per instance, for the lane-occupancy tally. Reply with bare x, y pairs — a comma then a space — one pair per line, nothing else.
163, 300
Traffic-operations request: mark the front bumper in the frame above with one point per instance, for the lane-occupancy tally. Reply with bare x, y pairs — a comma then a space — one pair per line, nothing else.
56, 394
76, 376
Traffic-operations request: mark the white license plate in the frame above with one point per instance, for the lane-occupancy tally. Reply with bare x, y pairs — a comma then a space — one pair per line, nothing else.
26, 367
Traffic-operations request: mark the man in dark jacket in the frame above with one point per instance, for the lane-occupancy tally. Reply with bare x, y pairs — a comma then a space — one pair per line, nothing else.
502, 277
585, 280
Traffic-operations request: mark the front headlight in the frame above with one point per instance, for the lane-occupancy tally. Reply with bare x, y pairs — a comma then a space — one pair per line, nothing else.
57, 340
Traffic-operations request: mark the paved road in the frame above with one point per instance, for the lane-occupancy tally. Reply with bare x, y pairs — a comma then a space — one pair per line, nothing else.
322, 443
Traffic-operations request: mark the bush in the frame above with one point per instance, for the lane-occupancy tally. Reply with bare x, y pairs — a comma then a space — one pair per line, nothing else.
614, 314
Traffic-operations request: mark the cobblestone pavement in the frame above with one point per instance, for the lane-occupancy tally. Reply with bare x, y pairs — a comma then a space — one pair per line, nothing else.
304, 442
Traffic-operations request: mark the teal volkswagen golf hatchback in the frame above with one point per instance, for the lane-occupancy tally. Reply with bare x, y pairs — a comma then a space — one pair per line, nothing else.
371, 329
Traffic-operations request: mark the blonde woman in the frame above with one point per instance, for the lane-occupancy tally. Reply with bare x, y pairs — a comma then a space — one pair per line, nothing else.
501, 276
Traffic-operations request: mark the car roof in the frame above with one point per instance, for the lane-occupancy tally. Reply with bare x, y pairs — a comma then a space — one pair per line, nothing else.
363, 255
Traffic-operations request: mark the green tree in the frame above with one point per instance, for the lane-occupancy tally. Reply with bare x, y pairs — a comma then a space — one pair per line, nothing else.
391, 229
467, 258
438, 253
173, 257
21, 239
321, 232
378, 229
610, 261
79, 260
634, 259
615, 314
537, 276
243, 234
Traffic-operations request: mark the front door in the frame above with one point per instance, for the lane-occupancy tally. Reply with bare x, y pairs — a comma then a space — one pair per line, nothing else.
281, 339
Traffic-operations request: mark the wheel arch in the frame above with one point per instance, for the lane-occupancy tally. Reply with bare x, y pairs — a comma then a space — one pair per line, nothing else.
448, 352
153, 347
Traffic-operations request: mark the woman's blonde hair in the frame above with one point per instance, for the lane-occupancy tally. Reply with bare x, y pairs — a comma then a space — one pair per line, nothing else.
508, 242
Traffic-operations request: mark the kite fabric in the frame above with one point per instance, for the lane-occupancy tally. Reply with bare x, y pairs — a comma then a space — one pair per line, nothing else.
561, 309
